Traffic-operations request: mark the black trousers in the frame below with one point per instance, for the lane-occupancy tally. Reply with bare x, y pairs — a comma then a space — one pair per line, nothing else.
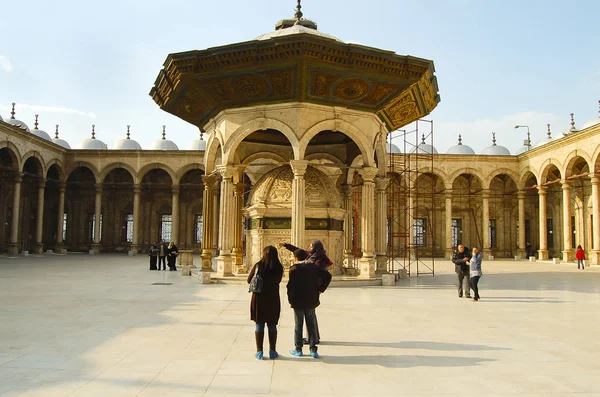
164, 264
463, 281
474, 281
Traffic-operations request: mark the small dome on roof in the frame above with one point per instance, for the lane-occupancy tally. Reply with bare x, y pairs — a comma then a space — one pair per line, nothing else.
460, 148
589, 124
15, 122
60, 142
93, 143
547, 139
424, 148
390, 148
198, 144
495, 150
127, 143
39, 133
164, 143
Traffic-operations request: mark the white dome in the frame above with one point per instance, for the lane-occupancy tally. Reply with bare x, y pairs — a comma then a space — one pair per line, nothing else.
392, 149
543, 142
61, 142
460, 148
425, 148
591, 123
523, 149
127, 144
296, 29
41, 134
496, 150
92, 144
18, 123
164, 144
198, 144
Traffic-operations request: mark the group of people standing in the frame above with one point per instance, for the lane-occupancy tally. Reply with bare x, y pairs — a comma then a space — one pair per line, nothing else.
159, 252
308, 278
467, 266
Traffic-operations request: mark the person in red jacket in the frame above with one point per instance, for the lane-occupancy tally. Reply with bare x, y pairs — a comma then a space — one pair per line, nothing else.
580, 255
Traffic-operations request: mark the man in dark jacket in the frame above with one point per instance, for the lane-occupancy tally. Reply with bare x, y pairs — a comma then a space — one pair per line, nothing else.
307, 281
461, 259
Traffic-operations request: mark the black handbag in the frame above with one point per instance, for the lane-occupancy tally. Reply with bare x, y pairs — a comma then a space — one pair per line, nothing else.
256, 284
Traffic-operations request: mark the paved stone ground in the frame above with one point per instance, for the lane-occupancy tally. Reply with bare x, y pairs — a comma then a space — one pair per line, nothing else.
77, 325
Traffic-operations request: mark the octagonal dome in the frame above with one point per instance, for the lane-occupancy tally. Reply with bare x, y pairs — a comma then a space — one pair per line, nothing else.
460, 148
296, 29
275, 189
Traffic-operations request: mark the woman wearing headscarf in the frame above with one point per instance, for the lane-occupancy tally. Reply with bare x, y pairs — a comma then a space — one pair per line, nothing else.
265, 306
172, 252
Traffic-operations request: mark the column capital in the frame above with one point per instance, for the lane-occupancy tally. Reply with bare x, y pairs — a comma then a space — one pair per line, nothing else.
227, 171
542, 189
485, 193
42, 183
565, 184
18, 177
381, 183
448, 194
62, 186
595, 179
175, 189
299, 167
368, 173
239, 189
98, 187
209, 181
137, 188
521, 194
346, 190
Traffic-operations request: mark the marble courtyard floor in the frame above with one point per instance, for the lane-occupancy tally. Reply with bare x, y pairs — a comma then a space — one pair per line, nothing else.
78, 325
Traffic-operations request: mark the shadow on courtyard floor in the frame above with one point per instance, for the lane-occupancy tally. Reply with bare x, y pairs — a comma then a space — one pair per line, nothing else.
425, 345
406, 361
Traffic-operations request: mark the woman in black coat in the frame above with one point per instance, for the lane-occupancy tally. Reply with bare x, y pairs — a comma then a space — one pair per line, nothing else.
172, 256
266, 305
153, 252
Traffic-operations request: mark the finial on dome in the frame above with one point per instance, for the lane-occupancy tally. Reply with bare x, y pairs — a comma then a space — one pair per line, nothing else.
56, 133
93, 131
36, 121
12, 114
493, 139
528, 139
423, 139
572, 129
164, 133
298, 14
127, 132
459, 139
201, 133
549, 133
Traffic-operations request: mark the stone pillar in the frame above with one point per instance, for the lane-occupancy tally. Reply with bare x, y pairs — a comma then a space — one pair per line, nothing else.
216, 208
485, 223
61, 214
226, 227
381, 225
594, 255
13, 245
137, 190
410, 225
39, 230
175, 214
207, 222
348, 253
522, 251
568, 252
298, 202
97, 214
449, 248
367, 262
543, 250
237, 252
186, 262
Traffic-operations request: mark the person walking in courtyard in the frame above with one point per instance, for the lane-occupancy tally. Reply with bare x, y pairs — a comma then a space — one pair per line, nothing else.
316, 253
461, 260
162, 254
153, 252
265, 307
172, 253
475, 272
307, 281
580, 256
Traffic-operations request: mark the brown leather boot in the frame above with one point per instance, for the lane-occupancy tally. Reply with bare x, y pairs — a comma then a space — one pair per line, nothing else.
259, 337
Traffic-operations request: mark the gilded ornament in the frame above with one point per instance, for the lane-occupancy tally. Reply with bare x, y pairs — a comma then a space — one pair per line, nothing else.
250, 86
351, 89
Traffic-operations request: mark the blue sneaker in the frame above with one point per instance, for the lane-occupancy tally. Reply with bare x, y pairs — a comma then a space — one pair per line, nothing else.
314, 354
273, 354
296, 353
258, 355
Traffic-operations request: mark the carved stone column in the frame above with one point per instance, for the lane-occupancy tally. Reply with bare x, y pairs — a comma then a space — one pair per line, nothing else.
298, 202
207, 222
522, 250
367, 262
216, 208
568, 252
13, 245
39, 230
175, 214
97, 223
485, 223
348, 255
543, 250
237, 252
137, 225
226, 226
381, 225
595, 253
61, 215
449, 248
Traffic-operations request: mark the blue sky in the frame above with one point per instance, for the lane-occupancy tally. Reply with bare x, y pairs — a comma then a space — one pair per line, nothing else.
498, 63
